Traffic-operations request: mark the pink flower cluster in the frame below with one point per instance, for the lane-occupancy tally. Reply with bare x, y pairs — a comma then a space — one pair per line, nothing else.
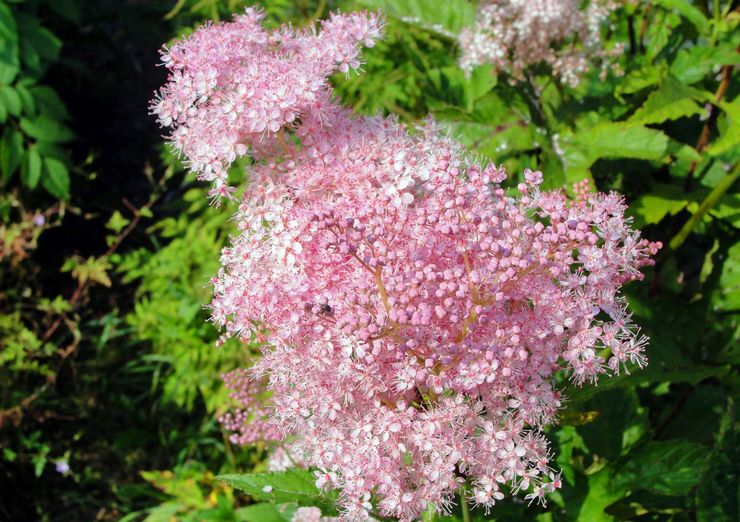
417, 312
249, 423
232, 85
513, 35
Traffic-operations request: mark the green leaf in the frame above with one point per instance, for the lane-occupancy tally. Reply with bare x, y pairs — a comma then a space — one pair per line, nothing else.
619, 140
294, 485
11, 153
662, 200
609, 140
693, 64
665, 468
670, 101
659, 32
8, 27
29, 104
117, 222
44, 128
11, 99
56, 178
447, 18
717, 495
568, 440
726, 297
617, 413
38, 46
31, 168
481, 81
687, 10
265, 512
639, 79
729, 125
54, 151
49, 102
9, 59
601, 493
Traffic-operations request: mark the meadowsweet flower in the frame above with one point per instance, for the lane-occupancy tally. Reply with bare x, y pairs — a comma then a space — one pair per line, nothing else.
513, 35
233, 84
415, 312
249, 423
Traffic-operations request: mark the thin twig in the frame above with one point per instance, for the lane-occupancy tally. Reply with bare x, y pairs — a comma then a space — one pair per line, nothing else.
643, 28
713, 114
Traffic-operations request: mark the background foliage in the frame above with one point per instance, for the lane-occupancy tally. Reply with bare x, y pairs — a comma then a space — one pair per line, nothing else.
109, 381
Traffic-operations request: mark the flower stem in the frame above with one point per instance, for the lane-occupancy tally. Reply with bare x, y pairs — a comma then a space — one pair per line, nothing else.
706, 205
464, 503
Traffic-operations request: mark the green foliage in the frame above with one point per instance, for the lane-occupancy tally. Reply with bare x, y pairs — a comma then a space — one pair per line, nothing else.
33, 116
168, 313
446, 19
107, 363
292, 486
193, 495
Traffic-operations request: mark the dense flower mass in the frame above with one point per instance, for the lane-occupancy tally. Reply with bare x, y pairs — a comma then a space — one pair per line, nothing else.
231, 85
513, 35
416, 311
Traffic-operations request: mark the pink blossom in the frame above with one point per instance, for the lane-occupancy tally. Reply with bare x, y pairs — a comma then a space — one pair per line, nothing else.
415, 311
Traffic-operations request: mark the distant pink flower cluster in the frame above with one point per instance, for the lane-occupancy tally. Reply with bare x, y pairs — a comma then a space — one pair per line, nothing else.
250, 422
513, 35
416, 311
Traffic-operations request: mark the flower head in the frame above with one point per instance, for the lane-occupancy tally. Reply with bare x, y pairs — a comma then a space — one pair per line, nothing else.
416, 312
513, 35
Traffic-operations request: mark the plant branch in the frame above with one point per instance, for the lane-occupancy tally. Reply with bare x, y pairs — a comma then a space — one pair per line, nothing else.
711, 199
713, 113
464, 503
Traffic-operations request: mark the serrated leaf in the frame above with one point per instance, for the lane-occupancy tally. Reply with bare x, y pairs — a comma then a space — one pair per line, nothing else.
670, 101
729, 125
688, 11
617, 140
663, 199
693, 64
447, 18
44, 128
726, 297
639, 79
31, 168
265, 512
665, 468
294, 485
612, 140
659, 33
56, 178
728, 208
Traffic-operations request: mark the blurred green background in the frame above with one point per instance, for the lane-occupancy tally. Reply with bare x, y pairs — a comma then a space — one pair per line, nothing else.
109, 378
